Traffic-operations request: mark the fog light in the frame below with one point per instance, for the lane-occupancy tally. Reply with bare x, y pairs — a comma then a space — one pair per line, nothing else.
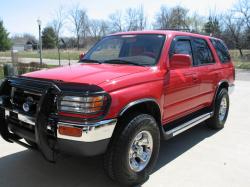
70, 131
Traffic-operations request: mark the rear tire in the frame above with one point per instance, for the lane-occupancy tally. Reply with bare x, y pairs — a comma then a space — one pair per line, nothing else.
137, 137
220, 110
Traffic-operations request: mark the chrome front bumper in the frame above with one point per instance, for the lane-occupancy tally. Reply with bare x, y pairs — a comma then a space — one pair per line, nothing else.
91, 132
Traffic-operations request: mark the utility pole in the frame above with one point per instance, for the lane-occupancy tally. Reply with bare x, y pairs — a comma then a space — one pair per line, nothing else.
40, 41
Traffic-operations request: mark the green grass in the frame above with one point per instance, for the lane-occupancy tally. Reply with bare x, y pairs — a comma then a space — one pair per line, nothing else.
49, 54
239, 62
24, 68
242, 65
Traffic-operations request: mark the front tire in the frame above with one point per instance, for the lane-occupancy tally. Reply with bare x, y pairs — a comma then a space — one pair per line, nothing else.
220, 111
134, 149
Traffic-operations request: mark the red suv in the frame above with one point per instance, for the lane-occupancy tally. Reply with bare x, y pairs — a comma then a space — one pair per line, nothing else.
125, 94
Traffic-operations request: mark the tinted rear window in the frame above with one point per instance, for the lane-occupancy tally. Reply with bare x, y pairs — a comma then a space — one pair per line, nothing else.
221, 51
203, 54
183, 47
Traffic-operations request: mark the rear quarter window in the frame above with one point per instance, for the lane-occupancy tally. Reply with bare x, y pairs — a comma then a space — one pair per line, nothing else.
221, 50
203, 54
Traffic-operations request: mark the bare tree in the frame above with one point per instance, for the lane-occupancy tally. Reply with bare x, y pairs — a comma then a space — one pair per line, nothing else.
57, 24
104, 30
162, 18
173, 18
116, 22
243, 8
178, 18
131, 19
78, 17
141, 18
213, 26
135, 19
98, 28
196, 23
235, 30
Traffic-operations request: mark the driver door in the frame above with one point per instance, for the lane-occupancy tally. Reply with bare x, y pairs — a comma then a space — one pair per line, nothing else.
182, 86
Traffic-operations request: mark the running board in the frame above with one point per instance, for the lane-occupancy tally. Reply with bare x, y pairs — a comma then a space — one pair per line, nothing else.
187, 125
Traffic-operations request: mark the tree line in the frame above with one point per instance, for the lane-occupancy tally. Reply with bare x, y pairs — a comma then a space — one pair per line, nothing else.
233, 26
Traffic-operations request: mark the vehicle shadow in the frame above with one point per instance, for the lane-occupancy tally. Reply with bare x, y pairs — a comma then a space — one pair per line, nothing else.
28, 168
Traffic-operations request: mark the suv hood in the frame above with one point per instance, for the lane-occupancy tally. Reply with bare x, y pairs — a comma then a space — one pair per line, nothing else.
87, 73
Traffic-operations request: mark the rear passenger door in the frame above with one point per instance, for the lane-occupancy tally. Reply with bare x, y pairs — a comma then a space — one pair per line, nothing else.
182, 90
205, 65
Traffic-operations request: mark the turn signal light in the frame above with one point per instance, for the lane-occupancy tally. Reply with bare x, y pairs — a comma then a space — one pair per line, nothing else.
70, 131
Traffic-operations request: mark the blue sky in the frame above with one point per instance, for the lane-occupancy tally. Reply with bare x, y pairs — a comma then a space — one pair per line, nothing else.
20, 16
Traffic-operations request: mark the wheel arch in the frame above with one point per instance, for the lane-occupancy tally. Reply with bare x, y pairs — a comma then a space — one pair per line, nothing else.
146, 105
222, 84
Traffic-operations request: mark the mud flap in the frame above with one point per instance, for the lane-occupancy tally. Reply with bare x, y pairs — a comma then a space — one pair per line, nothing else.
45, 143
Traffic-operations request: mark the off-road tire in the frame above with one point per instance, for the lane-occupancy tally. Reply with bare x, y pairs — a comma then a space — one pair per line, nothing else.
215, 122
116, 162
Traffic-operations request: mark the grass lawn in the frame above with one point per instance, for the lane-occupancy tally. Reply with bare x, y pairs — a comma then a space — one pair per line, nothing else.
49, 54
24, 68
241, 63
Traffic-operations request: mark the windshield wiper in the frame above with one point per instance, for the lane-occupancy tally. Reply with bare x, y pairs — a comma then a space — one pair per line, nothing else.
120, 61
91, 61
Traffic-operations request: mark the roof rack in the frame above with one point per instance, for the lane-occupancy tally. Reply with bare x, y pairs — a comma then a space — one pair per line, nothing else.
173, 29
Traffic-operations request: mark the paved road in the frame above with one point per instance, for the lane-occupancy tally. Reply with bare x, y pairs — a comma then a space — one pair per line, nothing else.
198, 157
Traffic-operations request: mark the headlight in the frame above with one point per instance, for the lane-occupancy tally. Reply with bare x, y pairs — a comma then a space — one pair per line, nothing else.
82, 105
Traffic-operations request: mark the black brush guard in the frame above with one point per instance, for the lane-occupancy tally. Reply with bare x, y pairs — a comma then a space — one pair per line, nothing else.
48, 90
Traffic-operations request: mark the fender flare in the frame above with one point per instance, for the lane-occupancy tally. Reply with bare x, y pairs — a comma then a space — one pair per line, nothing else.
139, 101
218, 88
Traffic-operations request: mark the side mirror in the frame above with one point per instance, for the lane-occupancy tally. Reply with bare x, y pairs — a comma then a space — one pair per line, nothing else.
178, 61
81, 56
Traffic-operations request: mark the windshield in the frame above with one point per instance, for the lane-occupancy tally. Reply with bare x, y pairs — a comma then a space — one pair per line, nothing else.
141, 50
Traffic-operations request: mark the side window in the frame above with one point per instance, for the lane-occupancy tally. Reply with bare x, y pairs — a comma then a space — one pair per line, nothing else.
221, 51
202, 54
183, 47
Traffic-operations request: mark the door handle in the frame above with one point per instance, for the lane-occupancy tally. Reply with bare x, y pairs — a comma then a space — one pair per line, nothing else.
188, 73
195, 78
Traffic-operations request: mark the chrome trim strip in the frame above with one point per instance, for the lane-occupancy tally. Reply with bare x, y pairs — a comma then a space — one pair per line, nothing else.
137, 102
189, 124
91, 132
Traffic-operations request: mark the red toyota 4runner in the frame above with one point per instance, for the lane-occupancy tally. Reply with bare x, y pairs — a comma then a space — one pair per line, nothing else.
126, 93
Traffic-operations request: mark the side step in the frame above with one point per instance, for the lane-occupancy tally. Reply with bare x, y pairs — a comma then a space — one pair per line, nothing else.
187, 125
